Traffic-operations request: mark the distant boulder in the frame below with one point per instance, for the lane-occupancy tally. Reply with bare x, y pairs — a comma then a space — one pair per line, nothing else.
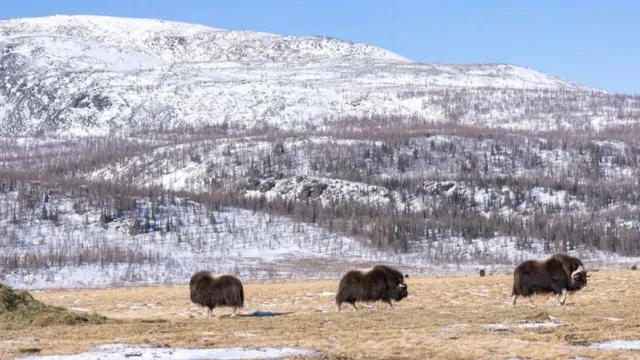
313, 189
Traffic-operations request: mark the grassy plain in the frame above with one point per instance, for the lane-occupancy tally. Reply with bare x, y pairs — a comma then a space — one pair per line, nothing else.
464, 317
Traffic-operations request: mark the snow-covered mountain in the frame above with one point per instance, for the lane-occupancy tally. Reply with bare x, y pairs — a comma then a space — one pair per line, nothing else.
419, 165
95, 74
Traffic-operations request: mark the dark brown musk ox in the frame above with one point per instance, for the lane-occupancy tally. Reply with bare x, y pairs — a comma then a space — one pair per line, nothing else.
558, 274
212, 291
379, 283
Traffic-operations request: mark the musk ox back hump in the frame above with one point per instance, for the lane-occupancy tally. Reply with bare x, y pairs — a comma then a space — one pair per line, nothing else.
569, 263
211, 291
394, 276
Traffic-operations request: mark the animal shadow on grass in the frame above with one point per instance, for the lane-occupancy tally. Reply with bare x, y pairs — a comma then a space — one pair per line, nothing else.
258, 313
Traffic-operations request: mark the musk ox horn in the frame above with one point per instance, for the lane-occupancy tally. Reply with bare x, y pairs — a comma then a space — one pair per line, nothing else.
579, 270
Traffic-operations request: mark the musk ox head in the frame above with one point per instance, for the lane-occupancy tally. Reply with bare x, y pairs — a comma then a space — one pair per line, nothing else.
400, 293
397, 286
579, 280
574, 268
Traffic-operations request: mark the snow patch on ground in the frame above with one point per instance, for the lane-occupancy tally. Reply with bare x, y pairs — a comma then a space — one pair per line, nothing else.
80, 309
612, 318
541, 324
501, 327
618, 345
495, 327
121, 351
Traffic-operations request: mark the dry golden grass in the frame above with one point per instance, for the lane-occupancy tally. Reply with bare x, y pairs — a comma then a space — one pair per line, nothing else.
443, 318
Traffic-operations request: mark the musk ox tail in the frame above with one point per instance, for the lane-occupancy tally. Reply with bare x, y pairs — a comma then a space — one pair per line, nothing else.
517, 284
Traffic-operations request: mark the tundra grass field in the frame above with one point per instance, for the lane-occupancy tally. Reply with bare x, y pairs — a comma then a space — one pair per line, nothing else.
463, 317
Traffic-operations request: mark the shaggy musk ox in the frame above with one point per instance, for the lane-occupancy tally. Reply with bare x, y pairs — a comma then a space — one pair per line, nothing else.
558, 274
379, 283
211, 291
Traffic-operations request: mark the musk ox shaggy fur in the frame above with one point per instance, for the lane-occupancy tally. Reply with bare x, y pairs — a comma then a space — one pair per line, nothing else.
379, 283
212, 291
559, 274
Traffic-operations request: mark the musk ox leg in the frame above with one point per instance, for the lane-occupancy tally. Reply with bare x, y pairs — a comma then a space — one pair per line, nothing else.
532, 304
209, 313
390, 305
514, 297
562, 297
234, 311
354, 306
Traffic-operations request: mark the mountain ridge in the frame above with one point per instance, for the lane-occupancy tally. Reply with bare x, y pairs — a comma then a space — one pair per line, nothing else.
142, 30
151, 72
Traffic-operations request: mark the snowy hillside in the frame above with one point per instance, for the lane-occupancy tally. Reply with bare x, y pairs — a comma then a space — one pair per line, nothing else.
106, 211
62, 241
92, 74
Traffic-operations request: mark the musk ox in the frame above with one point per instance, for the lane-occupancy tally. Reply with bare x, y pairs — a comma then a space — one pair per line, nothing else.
379, 283
634, 267
482, 272
212, 291
558, 274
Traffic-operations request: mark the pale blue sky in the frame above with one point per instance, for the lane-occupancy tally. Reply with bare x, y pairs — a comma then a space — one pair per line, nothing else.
591, 42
